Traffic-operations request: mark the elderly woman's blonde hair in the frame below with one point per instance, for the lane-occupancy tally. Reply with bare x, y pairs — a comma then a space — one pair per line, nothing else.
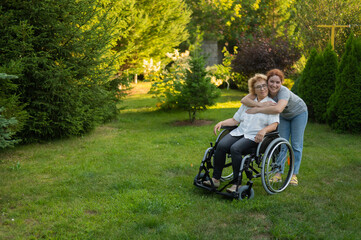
257, 77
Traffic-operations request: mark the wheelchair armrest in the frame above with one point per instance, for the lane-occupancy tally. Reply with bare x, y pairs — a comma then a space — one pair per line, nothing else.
272, 134
230, 128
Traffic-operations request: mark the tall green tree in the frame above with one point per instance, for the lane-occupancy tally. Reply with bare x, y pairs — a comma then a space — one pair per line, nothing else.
318, 82
343, 107
62, 53
306, 77
153, 28
227, 20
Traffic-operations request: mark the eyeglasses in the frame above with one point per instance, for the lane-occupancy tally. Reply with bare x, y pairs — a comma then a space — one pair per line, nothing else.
259, 87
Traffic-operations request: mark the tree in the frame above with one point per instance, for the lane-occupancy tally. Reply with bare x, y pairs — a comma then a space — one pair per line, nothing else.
325, 87
197, 92
304, 80
227, 20
317, 82
311, 13
152, 28
343, 107
62, 53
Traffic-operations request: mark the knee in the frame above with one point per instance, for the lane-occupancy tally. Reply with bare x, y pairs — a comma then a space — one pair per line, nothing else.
235, 150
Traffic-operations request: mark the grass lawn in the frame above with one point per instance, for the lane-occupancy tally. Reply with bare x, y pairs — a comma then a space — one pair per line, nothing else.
133, 179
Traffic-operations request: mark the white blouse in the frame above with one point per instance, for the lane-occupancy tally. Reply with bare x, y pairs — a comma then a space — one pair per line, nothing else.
251, 124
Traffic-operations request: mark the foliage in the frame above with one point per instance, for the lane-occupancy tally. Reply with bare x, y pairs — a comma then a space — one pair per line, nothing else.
305, 77
226, 20
167, 84
343, 107
5, 130
152, 28
218, 20
318, 82
311, 13
221, 74
262, 54
62, 53
9, 100
197, 92
288, 83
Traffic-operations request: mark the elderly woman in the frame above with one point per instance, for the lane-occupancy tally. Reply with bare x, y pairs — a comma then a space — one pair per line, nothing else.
250, 131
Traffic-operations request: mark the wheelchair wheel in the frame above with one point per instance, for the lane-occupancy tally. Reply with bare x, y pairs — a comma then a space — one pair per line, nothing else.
244, 193
278, 158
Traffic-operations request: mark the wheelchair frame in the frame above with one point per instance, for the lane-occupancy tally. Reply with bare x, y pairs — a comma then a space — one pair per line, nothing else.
265, 157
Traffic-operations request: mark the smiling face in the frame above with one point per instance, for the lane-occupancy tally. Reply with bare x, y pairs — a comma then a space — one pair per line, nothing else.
261, 89
274, 85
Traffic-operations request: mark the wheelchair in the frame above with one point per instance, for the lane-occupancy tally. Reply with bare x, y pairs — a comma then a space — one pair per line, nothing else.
264, 161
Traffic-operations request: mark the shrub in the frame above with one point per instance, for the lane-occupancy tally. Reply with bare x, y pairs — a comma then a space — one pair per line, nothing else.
343, 107
197, 92
167, 84
262, 54
222, 74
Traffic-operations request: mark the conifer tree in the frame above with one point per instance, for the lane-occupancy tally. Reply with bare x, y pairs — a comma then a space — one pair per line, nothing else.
197, 91
343, 107
325, 86
306, 79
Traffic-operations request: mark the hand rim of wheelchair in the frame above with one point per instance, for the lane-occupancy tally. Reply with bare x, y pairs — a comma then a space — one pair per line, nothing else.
267, 175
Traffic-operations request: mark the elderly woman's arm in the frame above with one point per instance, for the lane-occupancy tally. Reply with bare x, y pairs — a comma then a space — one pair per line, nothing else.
227, 122
260, 135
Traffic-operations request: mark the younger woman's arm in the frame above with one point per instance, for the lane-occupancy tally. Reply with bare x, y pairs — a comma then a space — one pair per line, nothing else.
276, 109
249, 101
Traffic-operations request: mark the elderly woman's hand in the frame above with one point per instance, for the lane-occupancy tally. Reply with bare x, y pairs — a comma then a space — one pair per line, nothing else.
217, 127
260, 135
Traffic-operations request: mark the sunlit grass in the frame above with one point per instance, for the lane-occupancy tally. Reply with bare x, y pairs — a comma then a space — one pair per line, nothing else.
132, 179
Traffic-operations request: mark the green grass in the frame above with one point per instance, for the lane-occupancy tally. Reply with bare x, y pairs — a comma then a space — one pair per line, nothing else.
133, 179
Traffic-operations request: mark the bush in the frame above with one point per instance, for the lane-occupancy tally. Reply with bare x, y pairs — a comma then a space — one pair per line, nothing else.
167, 84
222, 74
197, 92
262, 54
343, 107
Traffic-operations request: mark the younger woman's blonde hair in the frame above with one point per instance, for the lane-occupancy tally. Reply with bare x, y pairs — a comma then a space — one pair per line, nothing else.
257, 77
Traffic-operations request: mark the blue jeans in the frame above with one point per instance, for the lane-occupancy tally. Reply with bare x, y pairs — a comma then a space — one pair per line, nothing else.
294, 128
